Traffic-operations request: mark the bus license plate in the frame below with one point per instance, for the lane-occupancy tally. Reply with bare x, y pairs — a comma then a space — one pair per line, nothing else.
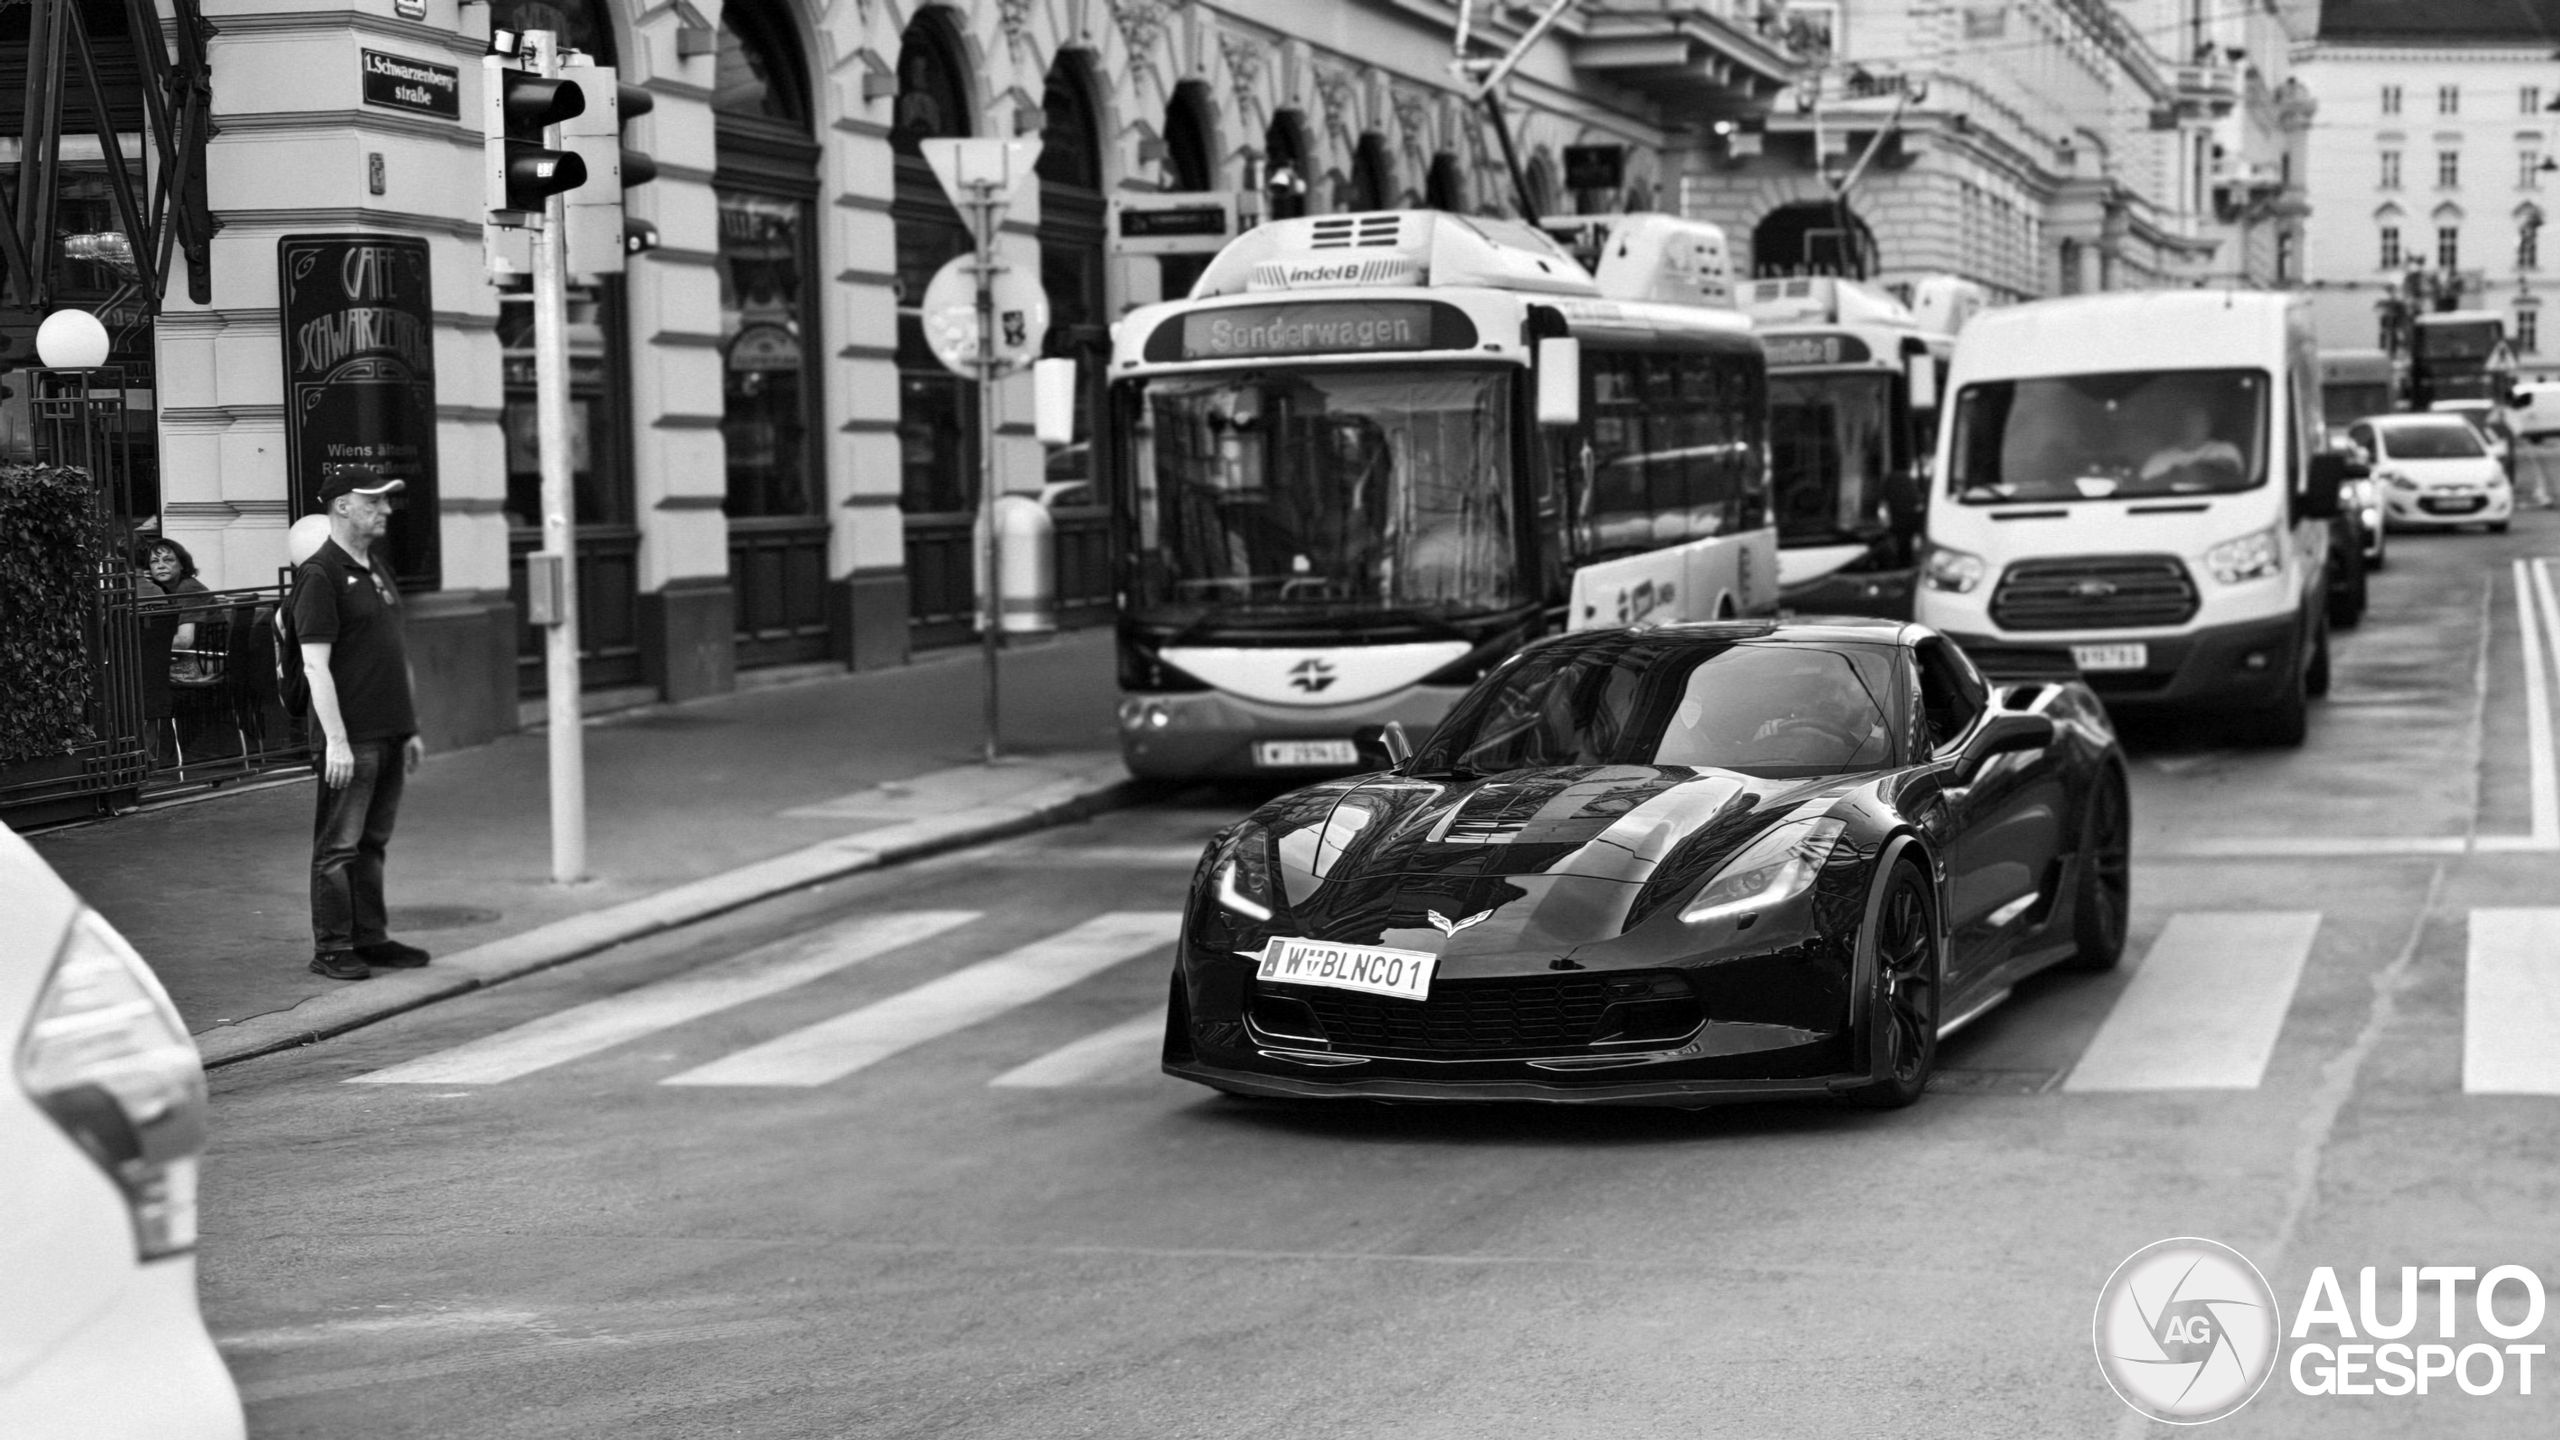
2111, 657
1283, 753
1403, 974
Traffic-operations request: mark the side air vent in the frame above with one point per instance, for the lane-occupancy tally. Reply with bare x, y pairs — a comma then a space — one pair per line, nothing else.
1356, 232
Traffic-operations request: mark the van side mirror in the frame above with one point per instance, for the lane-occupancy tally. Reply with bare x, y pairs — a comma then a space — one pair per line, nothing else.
1384, 746
2330, 471
1920, 368
1559, 380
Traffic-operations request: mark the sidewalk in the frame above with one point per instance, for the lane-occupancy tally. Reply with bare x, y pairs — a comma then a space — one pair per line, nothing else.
692, 809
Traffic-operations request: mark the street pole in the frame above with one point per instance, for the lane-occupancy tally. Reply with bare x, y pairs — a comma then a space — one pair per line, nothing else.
559, 536
986, 205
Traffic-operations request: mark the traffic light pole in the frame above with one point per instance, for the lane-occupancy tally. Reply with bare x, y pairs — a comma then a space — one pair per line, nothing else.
559, 533
987, 207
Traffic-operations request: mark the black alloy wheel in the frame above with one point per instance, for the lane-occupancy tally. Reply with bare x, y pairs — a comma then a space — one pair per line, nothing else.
2103, 896
1904, 1006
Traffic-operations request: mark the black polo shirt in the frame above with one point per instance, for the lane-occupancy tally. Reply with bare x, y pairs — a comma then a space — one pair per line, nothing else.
355, 608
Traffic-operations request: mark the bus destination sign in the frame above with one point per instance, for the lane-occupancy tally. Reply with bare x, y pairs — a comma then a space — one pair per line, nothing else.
1325, 328
1796, 351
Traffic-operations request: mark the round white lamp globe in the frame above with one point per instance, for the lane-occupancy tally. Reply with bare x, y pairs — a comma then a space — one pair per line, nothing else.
305, 538
71, 340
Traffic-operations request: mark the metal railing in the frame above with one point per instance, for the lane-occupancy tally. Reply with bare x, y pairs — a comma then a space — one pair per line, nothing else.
206, 666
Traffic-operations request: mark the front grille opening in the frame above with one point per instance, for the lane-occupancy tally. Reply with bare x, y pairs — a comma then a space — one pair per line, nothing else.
2098, 592
1287, 1019
1494, 1018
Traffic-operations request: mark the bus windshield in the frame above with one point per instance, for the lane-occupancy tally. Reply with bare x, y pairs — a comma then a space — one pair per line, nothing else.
1830, 447
2459, 339
2126, 435
2345, 402
1285, 496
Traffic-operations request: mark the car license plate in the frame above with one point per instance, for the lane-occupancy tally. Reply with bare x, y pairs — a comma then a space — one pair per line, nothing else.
1404, 974
1305, 752
2453, 504
2111, 657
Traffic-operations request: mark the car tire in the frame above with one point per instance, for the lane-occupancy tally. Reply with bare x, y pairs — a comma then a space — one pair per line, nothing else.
2347, 599
1909, 972
2497, 527
2102, 891
2381, 550
2315, 678
2288, 721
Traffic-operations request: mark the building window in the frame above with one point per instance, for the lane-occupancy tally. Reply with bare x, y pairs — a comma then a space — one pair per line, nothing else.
2529, 242
2528, 327
2448, 169
2528, 169
2390, 247
2448, 99
2529, 100
2390, 99
2448, 247
2390, 169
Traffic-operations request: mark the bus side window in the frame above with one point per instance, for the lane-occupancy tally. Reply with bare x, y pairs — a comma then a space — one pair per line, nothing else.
1616, 511
1675, 434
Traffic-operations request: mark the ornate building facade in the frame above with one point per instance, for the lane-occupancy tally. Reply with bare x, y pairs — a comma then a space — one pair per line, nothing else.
772, 469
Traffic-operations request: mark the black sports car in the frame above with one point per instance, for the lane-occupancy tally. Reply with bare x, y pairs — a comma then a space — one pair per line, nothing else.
1678, 866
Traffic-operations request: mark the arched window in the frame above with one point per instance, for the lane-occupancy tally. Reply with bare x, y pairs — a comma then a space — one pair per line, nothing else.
1373, 174
1446, 186
1285, 178
1073, 256
1190, 164
937, 414
771, 359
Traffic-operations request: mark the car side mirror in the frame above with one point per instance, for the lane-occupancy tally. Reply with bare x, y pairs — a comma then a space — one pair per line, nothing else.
1384, 747
2003, 734
2330, 471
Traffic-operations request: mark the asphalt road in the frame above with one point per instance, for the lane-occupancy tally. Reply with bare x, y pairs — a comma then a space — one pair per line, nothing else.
517, 1226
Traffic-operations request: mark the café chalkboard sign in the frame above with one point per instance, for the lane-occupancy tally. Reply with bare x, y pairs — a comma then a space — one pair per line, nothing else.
360, 378
397, 82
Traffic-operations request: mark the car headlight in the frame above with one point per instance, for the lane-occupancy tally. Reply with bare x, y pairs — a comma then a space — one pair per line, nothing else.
1243, 878
1955, 570
1777, 867
2253, 556
2397, 480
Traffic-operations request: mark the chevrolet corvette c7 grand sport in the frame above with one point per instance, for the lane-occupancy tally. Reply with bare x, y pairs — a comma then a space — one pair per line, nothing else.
1681, 865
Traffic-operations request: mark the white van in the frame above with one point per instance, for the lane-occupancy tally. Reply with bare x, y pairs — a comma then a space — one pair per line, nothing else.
2135, 476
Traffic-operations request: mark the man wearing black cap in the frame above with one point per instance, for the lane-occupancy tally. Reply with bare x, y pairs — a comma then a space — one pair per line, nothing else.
346, 612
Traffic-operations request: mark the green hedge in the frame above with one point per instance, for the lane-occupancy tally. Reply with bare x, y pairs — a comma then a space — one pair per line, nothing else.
51, 540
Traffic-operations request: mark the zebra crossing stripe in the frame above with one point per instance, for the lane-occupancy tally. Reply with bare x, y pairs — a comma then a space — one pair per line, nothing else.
832, 1049
2204, 1010
602, 1024
2511, 1003
1126, 1051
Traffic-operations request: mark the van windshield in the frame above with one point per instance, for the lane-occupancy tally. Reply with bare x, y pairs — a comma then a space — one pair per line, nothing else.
2110, 436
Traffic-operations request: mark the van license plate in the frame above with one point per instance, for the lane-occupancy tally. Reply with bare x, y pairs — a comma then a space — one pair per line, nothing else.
1288, 753
2111, 657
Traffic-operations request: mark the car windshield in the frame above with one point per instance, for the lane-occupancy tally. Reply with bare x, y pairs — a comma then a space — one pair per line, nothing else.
1829, 448
2431, 440
2110, 436
1323, 494
1766, 708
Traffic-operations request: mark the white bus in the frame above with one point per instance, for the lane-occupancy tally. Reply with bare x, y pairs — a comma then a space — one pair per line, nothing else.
1853, 418
1373, 454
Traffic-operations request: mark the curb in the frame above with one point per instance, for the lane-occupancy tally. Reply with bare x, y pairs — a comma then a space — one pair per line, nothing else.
578, 936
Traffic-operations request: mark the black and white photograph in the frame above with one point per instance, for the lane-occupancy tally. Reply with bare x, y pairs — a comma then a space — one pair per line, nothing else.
1347, 720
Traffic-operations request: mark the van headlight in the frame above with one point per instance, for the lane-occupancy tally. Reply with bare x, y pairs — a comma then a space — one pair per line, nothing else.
2253, 556
1954, 570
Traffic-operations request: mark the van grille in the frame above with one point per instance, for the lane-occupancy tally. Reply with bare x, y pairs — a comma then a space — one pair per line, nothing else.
1356, 232
2110, 592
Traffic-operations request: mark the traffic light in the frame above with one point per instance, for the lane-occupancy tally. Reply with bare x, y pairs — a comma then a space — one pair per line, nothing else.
599, 233
516, 106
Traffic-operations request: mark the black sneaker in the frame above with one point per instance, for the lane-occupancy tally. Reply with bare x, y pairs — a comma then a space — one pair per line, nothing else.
391, 955
340, 965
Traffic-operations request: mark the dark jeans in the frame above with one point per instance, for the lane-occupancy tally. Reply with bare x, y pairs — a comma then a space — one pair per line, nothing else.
350, 829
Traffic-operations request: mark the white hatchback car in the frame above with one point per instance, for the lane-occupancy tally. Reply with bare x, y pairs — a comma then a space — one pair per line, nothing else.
102, 1120
2435, 472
